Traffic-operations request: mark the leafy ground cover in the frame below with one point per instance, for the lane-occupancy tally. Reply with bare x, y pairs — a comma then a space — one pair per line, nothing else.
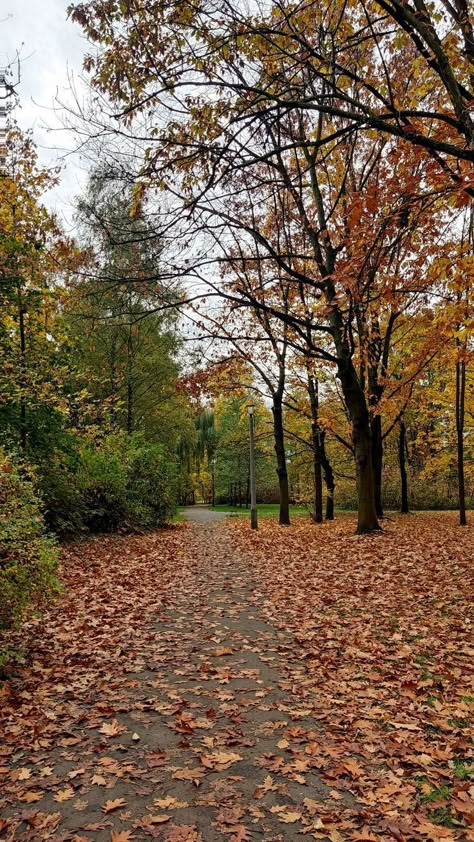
212, 683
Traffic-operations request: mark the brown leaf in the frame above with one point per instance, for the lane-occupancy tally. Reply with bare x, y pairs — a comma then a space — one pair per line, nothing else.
109, 806
220, 760
182, 833
31, 795
64, 794
112, 729
98, 780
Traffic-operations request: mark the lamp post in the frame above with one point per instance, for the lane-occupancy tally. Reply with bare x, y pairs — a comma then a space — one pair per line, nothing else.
253, 481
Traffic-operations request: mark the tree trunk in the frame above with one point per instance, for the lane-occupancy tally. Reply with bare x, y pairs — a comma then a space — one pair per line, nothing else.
318, 484
317, 449
402, 464
460, 404
328, 477
279, 436
362, 441
377, 462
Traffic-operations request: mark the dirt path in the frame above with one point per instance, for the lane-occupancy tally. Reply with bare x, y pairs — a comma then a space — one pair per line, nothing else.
202, 514
168, 717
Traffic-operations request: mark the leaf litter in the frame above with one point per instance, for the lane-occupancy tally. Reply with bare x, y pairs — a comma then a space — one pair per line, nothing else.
286, 682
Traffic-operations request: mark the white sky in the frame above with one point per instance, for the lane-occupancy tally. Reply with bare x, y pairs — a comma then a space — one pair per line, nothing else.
51, 48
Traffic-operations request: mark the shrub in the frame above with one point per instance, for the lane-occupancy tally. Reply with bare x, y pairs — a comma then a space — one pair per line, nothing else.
117, 482
102, 484
151, 485
63, 500
28, 557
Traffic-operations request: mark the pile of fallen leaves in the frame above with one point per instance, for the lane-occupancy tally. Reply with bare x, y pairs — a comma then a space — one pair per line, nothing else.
213, 683
382, 654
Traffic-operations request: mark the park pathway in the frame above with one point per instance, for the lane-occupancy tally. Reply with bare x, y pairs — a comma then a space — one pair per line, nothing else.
183, 728
202, 514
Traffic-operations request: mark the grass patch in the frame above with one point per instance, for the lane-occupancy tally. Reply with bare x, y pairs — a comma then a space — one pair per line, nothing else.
463, 768
442, 816
263, 510
436, 794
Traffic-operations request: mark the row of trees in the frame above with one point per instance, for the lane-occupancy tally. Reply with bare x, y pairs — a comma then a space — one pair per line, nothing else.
91, 407
318, 163
419, 449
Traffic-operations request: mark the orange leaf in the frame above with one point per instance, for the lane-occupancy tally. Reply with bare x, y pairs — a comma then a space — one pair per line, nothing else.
109, 806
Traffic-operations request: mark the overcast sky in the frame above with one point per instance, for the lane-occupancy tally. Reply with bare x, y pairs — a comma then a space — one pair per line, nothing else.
51, 47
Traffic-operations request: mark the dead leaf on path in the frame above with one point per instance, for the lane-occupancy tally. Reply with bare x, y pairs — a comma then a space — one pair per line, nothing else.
239, 834
93, 826
158, 819
285, 815
121, 835
67, 742
353, 768
311, 805
99, 780
80, 804
109, 806
220, 760
364, 835
112, 729
188, 774
406, 726
182, 833
165, 803
74, 773
24, 774
435, 832
224, 650
64, 794
31, 796
156, 759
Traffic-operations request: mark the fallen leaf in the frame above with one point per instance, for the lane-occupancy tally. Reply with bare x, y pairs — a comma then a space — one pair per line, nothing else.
64, 794
112, 729
169, 801
109, 806
31, 796
220, 760
98, 780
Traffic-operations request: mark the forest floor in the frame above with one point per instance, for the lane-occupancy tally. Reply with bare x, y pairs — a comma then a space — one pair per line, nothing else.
206, 682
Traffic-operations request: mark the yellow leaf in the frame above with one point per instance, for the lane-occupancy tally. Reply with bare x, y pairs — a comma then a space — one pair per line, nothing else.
64, 794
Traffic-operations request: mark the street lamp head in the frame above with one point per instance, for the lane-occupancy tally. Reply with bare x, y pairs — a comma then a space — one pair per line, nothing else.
250, 408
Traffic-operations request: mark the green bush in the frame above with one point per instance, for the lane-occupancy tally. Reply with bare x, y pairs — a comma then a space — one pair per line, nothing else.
151, 485
63, 500
28, 557
119, 482
102, 484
